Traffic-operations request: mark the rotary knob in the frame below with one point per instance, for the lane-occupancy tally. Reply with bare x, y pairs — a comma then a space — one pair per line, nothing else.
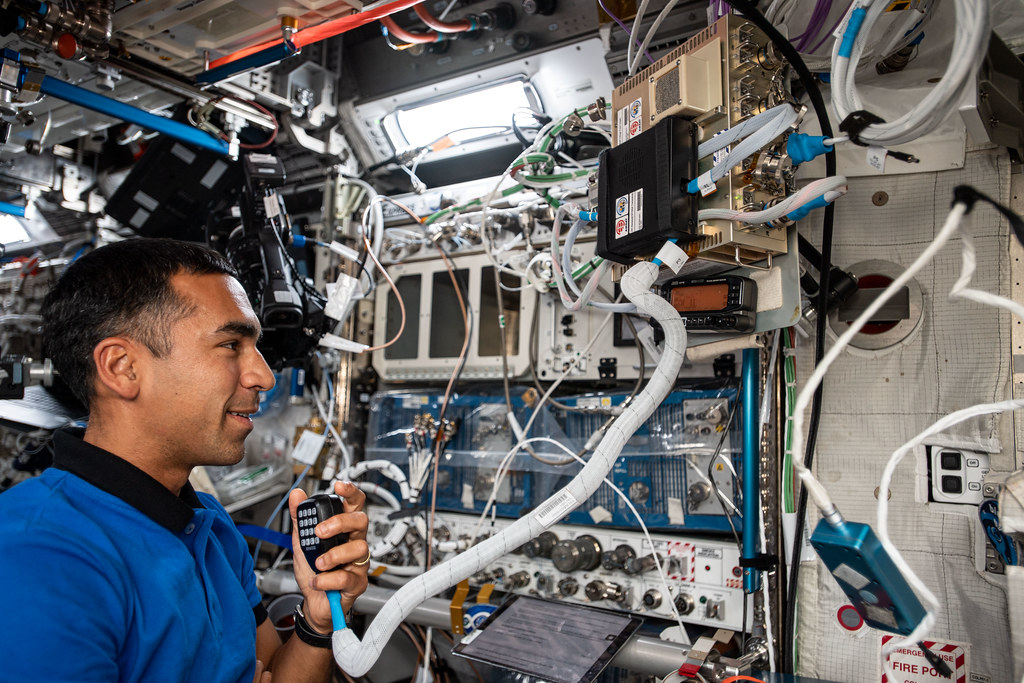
581, 553
541, 546
616, 559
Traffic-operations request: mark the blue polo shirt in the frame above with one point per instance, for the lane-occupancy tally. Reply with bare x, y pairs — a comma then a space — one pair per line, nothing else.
108, 576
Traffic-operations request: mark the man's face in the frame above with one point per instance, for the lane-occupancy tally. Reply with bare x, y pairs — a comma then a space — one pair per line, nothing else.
201, 394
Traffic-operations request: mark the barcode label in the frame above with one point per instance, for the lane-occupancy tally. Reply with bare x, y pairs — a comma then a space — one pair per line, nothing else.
556, 508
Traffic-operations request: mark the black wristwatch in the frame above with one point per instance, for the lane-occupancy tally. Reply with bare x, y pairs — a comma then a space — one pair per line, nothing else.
306, 633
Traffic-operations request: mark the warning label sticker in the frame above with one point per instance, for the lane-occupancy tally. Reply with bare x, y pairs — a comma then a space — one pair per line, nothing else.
909, 664
629, 217
628, 121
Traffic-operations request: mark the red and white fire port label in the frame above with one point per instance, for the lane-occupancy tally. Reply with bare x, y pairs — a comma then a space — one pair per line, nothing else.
909, 664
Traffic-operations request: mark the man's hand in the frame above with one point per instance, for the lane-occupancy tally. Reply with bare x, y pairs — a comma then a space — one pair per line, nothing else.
338, 565
261, 675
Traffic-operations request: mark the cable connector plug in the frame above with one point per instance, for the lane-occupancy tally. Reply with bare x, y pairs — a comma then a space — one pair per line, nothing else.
902, 156
937, 662
816, 203
802, 147
333, 341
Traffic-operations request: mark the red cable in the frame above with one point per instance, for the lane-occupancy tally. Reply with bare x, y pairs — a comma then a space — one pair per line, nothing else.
433, 22
314, 34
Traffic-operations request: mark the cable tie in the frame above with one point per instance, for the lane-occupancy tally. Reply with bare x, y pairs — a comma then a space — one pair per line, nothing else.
762, 562
854, 124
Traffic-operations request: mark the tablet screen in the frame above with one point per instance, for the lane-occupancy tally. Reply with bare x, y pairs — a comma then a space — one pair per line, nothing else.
554, 641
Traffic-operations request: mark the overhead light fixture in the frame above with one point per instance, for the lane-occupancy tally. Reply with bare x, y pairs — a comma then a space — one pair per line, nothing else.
479, 113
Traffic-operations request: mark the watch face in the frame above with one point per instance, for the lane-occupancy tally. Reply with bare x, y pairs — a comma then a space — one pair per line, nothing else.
712, 297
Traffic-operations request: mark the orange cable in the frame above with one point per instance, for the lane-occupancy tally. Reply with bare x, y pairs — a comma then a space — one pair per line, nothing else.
444, 404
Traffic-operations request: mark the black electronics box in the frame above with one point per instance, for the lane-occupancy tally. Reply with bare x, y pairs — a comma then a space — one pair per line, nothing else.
642, 197
172, 189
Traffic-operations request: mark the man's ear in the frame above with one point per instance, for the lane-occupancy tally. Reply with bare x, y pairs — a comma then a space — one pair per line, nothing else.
116, 359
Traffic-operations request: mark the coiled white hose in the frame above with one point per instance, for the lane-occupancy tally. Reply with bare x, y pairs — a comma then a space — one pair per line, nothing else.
356, 657
970, 46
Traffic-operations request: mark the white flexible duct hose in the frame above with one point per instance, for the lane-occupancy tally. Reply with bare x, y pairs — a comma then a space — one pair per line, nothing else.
397, 533
395, 474
383, 467
356, 657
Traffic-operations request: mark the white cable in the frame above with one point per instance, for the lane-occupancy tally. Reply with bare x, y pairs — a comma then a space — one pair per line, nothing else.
741, 130
970, 46
502, 470
373, 210
764, 594
396, 534
385, 468
818, 493
920, 633
633, 31
776, 122
356, 656
390, 470
377, 490
394, 570
636, 514
566, 273
456, 545
830, 188
650, 35
724, 500
960, 290
346, 453
815, 490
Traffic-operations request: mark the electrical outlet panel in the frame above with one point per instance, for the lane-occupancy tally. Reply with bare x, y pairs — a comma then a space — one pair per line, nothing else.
957, 475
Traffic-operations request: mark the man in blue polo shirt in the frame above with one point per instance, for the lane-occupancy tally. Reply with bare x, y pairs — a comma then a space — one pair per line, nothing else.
113, 567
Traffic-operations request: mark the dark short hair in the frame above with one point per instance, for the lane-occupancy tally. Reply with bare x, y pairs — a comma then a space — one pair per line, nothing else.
121, 289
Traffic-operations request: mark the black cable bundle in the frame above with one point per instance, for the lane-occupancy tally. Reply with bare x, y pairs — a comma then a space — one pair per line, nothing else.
814, 93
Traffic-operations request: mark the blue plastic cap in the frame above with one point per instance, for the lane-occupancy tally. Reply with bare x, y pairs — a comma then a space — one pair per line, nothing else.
801, 147
14, 55
299, 240
852, 29
802, 212
693, 187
